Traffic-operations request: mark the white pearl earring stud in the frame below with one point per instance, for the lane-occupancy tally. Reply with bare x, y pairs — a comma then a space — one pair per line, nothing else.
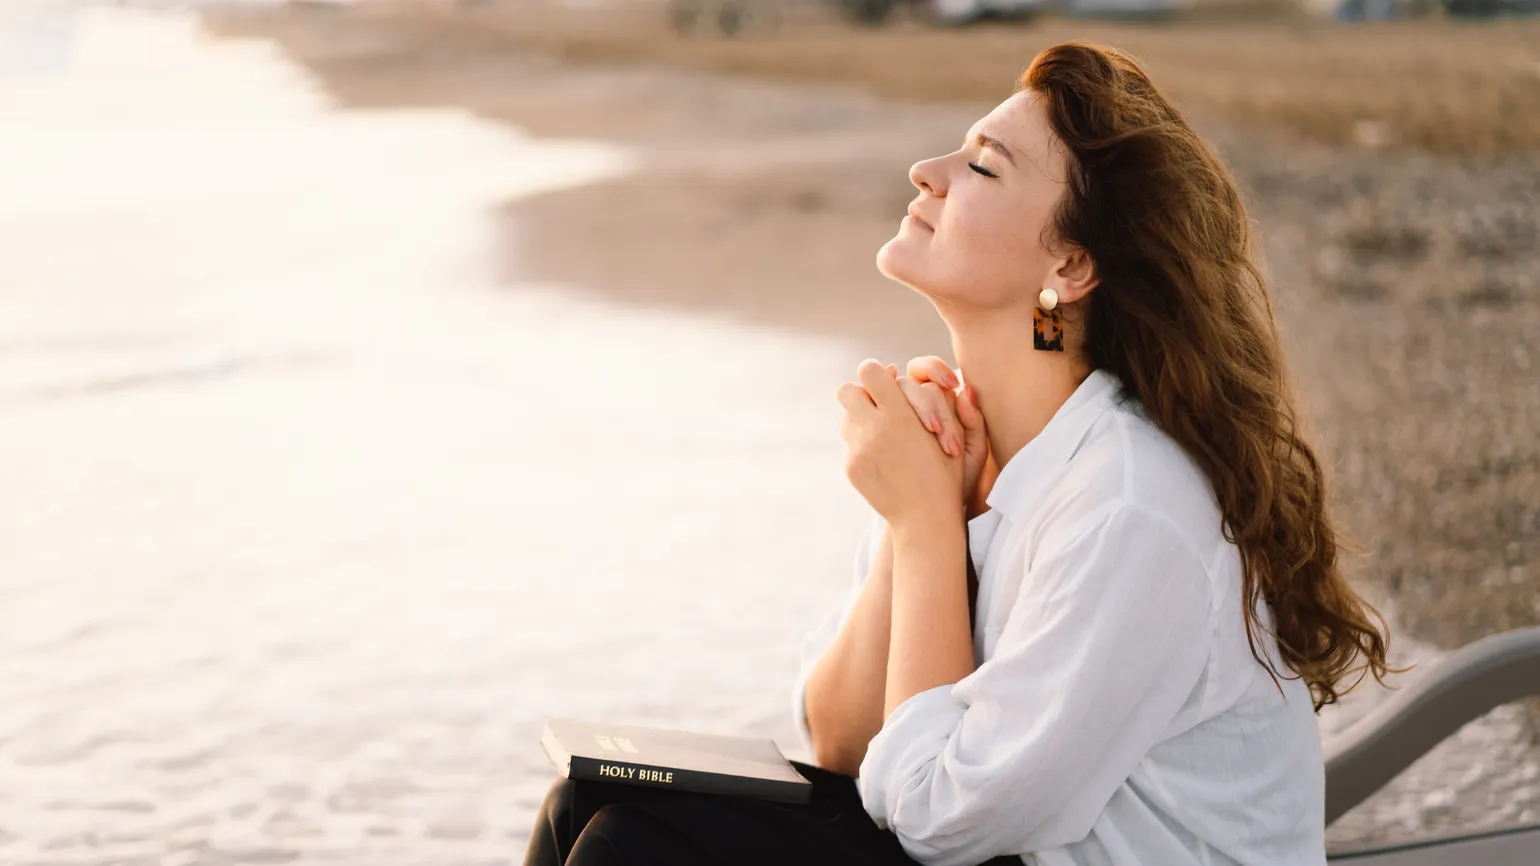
1048, 299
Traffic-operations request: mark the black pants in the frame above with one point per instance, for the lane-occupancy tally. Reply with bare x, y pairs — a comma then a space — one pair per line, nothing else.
609, 824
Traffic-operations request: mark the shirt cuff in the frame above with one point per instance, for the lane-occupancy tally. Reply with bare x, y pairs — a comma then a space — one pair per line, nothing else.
910, 741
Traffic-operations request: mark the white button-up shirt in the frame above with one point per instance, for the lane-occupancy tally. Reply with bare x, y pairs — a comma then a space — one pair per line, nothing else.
1117, 716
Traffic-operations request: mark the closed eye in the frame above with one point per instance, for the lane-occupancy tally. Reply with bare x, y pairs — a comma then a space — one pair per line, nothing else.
982, 170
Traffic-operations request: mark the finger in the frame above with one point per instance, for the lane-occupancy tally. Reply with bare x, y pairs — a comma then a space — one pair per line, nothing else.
975, 438
968, 412
893, 368
854, 398
933, 405
881, 387
930, 368
951, 433
927, 413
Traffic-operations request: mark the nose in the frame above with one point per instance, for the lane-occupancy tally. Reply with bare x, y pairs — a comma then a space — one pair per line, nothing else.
927, 175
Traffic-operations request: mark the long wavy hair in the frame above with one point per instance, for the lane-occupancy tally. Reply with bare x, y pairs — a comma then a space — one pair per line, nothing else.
1183, 317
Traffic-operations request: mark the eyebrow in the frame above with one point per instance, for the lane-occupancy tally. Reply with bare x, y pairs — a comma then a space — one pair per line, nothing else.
995, 145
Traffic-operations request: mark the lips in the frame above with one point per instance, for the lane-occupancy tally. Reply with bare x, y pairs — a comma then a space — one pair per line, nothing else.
914, 214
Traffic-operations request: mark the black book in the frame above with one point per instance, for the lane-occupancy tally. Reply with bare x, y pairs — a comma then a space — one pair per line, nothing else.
684, 761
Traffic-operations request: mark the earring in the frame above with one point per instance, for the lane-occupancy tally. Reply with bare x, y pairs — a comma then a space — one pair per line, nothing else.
1047, 323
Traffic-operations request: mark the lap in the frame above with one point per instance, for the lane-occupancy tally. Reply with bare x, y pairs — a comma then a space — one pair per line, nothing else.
697, 828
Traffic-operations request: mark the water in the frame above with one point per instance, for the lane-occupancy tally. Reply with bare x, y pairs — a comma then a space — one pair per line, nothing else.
311, 514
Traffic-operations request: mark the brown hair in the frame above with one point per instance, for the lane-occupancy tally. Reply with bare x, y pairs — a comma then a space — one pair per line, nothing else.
1183, 317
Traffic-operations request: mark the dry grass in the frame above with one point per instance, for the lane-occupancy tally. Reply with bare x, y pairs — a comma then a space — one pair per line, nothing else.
1442, 86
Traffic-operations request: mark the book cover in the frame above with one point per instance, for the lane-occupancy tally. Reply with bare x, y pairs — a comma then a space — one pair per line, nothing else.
682, 760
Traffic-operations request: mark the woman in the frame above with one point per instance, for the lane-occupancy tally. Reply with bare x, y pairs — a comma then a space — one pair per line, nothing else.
1095, 628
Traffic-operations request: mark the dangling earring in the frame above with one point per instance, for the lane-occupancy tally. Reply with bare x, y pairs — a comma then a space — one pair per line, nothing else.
1047, 323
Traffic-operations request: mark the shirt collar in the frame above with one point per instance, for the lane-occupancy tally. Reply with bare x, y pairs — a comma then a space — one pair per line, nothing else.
1023, 479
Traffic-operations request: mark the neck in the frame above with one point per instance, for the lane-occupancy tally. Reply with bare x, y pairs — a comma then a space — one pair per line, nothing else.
1019, 388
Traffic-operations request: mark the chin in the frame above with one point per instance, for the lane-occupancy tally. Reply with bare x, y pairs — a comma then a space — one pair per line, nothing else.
896, 261
902, 263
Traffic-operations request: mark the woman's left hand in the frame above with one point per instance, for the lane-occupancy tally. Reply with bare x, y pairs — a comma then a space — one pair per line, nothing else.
890, 458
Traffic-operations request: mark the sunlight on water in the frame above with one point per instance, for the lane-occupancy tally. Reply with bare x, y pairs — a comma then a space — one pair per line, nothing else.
310, 520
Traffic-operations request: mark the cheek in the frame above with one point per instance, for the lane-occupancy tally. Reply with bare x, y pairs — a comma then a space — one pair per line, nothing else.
994, 249
985, 249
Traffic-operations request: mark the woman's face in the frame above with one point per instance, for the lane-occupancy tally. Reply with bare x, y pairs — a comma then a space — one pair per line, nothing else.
976, 233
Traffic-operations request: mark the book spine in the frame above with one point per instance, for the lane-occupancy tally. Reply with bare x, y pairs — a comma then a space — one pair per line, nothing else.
627, 773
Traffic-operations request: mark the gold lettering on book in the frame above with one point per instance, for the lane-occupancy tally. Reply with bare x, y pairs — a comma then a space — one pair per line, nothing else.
640, 774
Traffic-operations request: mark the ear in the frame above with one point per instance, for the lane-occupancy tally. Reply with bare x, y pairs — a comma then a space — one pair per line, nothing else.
1075, 276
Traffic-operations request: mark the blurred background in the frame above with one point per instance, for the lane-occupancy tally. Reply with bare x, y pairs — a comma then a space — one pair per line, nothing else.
377, 379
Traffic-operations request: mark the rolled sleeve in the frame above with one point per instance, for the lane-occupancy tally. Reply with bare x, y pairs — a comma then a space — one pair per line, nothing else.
913, 735
1104, 643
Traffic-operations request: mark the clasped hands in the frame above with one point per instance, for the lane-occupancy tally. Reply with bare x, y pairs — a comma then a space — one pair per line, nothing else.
916, 447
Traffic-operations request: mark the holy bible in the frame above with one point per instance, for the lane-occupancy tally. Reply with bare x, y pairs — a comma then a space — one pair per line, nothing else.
684, 761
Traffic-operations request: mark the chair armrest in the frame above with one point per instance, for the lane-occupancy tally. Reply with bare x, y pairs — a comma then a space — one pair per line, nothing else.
1459, 688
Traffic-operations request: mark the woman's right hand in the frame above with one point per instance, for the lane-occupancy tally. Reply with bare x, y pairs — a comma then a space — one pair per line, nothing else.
930, 385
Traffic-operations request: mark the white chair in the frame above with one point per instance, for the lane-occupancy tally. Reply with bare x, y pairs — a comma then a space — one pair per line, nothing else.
1458, 689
